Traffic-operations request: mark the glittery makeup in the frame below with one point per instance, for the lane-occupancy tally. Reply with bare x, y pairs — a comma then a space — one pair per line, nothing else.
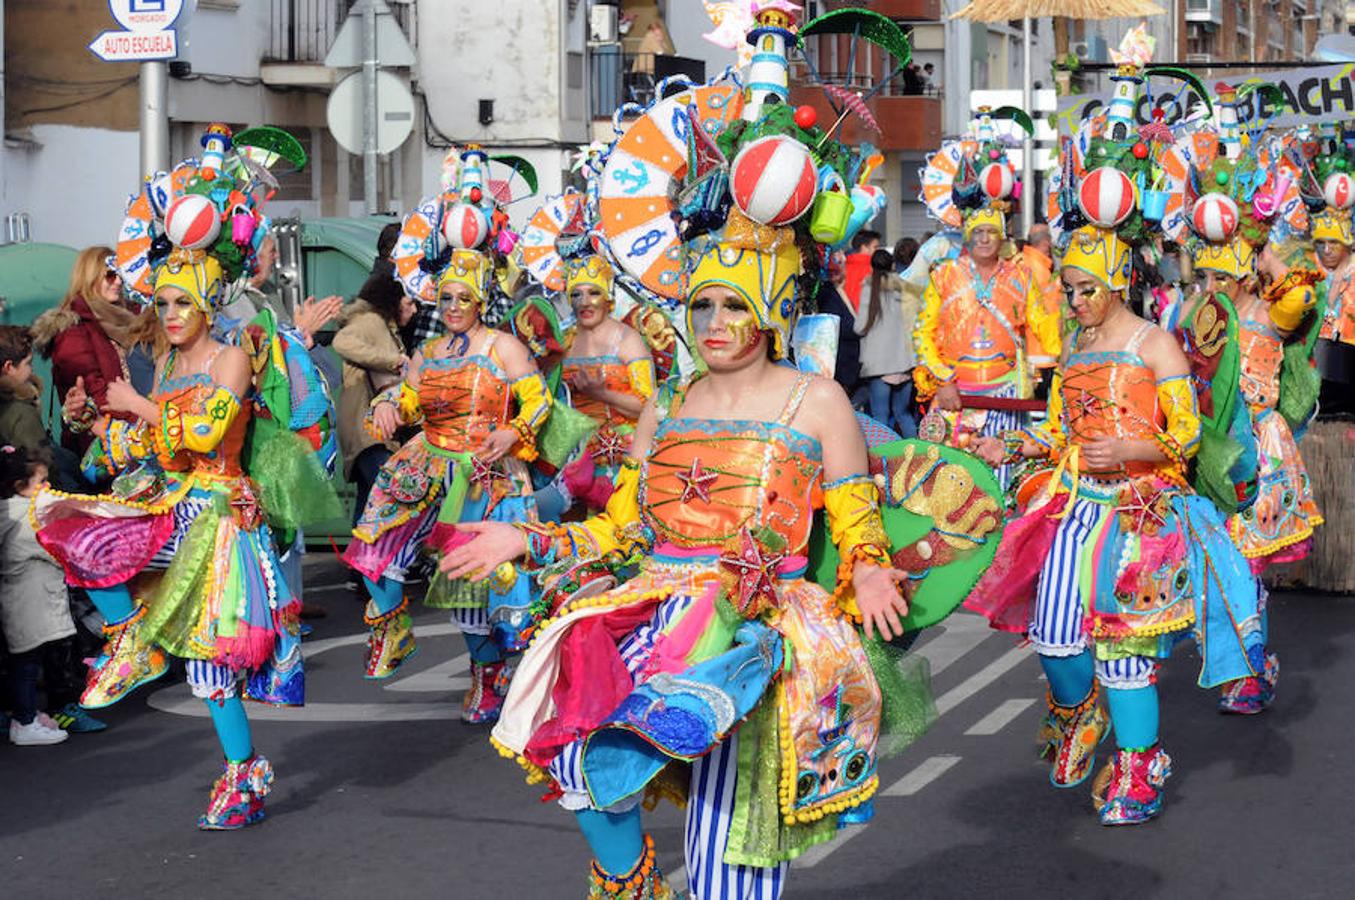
745, 333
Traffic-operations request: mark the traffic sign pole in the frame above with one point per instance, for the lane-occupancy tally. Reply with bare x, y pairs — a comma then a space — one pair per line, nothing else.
154, 117
369, 113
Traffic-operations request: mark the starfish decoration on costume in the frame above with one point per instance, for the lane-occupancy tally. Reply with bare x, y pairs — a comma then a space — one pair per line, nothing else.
484, 474
696, 482
1088, 404
1141, 508
754, 573
246, 508
611, 447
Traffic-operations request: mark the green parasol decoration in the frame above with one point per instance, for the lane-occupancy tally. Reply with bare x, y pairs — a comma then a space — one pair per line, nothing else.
879, 29
267, 146
943, 512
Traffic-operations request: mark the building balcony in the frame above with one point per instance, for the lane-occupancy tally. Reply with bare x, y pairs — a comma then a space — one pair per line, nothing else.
1207, 11
908, 122
912, 10
301, 31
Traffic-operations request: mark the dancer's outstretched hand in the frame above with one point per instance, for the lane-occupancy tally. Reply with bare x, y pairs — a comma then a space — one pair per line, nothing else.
878, 598
492, 545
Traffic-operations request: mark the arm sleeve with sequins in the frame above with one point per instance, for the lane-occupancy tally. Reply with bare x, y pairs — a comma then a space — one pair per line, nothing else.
1049, 433
533, 402
405, 400
931, 371
1181, 437
640, 372
1043, 327
852, 507
618, 528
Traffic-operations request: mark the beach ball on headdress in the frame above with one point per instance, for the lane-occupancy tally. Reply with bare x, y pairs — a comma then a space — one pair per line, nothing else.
465, 227
1339, 190
997, 180
1106, 196
1214, 217
774, 180
192, 222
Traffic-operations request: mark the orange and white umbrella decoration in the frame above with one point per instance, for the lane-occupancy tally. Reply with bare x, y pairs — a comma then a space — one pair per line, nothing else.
144, 222
1199, 149
938, 179
540, 256
644, 173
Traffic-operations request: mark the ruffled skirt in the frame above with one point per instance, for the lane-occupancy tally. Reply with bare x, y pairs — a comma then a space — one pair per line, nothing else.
1278, 526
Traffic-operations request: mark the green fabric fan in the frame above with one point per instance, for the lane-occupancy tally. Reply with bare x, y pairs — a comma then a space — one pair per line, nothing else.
268, 146
943, 512
879, 29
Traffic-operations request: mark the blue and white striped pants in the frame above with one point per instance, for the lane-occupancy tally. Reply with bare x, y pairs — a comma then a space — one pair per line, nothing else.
471, 620
410, 550
210, 681
710, 805
1056, 628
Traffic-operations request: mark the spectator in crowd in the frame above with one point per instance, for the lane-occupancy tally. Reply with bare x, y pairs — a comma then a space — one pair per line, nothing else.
35, 613
857, 266
847, 369
905, 251
374, 358
89, 335
887, 358
912, 79
20, 419
929, 85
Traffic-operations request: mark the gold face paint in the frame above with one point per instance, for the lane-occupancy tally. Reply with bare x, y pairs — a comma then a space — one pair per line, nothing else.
585, 298
179, 315
745, 333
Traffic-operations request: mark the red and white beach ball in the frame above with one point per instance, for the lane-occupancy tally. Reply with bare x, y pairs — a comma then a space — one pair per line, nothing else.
1339, 190
192, 222
774, 180
465, 226
998, 180
1106, 196
1214, 217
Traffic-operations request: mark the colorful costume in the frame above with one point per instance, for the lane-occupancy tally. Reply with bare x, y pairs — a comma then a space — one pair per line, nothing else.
1107, 568
717, 651
436, 480
182, 505
985, 336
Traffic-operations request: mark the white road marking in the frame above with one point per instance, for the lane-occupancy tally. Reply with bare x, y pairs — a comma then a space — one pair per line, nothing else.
1001, 717
927, 771
441, 677
819, 852
981, 679
960, 633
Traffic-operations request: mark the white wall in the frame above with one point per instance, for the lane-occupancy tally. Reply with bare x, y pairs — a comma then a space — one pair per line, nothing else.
72, 188
247, 25
687, 21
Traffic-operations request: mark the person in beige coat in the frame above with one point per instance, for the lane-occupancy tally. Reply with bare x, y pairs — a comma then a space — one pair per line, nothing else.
374, 358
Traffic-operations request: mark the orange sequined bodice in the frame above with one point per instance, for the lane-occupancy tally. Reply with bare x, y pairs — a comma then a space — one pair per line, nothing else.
196, 397
972, 338
615, 377
463, 399
1111, 394
1262, 354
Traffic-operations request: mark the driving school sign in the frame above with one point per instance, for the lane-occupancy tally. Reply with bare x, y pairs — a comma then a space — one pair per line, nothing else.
1311, 95
149, 31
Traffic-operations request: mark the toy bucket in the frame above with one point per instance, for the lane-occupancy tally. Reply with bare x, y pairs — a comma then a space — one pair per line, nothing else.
1155, 205
828, 221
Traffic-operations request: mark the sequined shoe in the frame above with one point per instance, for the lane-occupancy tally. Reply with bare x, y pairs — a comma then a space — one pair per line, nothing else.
1251, 695
1069, 736
391, 640
124, 663
1128, 791
483, 701
643, 882
237, 796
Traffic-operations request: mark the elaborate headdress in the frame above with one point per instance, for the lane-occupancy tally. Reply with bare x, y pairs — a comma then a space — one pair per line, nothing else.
207, 209
727, 183
971, 183
1328, 181
464, 227
1102, 254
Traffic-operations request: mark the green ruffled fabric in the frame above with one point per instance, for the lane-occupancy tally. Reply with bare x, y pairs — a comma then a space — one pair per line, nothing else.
457, 593
909, 707
294, 489
1219, 452
172, 620
566, 429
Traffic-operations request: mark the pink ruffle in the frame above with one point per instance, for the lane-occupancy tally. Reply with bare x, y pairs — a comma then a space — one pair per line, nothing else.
592, 679
373, 559
98, 551
1006, 592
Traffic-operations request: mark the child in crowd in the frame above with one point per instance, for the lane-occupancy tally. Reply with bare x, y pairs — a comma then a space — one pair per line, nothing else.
20, 419
34, 612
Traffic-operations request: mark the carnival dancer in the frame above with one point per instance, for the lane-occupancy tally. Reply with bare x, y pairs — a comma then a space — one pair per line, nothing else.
1114, 560
609, 370
717, 495
183, 506
985, 325
467, 464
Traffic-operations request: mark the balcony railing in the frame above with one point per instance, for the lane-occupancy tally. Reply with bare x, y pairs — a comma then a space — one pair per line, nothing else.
301, 31
1210, 11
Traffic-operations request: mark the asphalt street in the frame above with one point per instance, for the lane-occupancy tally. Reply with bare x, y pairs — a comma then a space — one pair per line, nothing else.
382, 792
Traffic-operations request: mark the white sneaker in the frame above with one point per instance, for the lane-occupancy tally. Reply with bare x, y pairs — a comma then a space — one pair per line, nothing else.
34, 734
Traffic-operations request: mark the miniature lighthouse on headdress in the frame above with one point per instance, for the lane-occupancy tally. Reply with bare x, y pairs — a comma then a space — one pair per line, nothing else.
1134, 53
1230, 131
768, 77
474, 162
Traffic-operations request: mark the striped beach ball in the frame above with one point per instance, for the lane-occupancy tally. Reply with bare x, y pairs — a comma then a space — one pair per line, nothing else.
465, 226
192, 222
1106, 196
774, 180
1339, 190
998, 180
1214, 217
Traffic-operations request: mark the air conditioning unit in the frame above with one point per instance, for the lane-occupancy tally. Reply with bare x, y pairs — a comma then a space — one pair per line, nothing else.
602, 24
1080, 50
